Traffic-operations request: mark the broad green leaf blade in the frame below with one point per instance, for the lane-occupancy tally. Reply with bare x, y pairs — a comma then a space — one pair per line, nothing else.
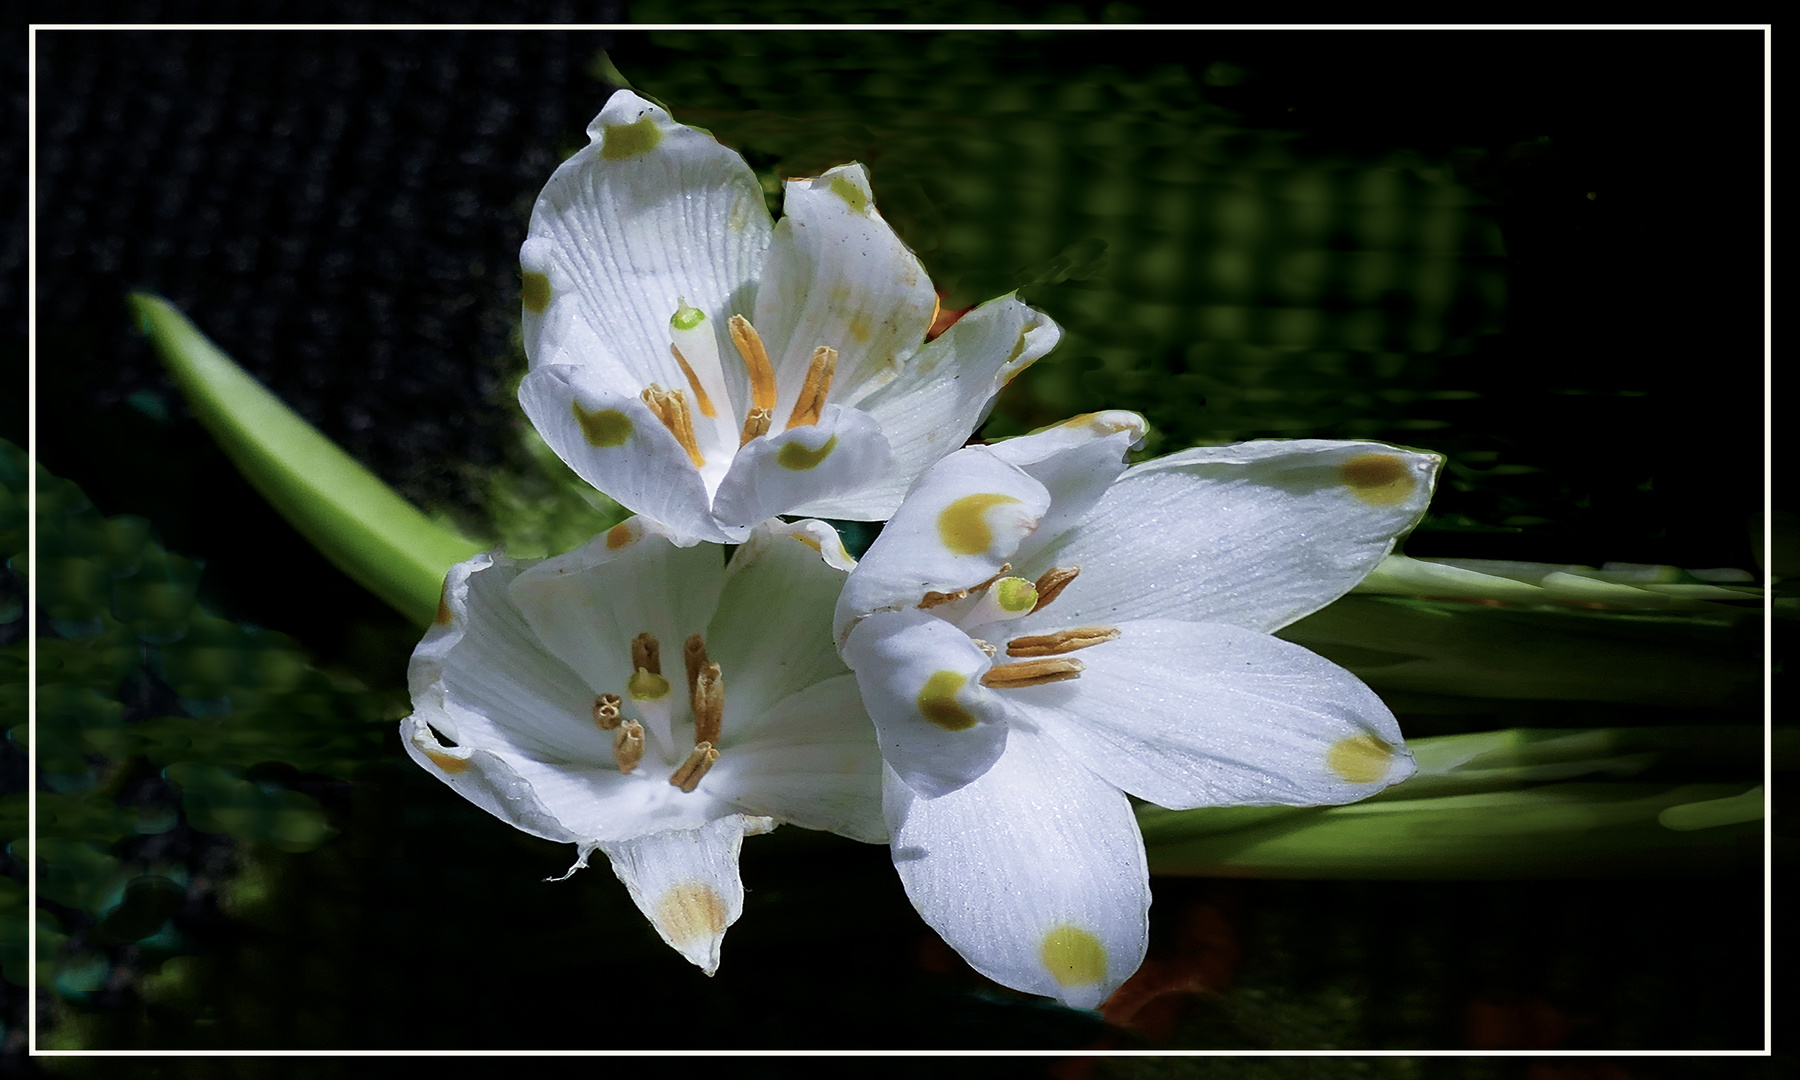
367, 530
1498, 804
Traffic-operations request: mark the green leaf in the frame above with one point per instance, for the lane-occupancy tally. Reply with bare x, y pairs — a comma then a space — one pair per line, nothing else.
359, 523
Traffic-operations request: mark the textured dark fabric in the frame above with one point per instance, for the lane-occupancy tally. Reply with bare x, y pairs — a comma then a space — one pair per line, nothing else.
340, 210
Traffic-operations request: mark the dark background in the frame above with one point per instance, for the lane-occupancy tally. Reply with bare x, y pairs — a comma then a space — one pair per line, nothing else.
341, 211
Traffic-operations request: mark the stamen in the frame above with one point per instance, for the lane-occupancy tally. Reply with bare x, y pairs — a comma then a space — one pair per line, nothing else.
606, 711
670, 406
1054, 581
1031, 673
939, 599
700, 397
628, 745
693, 657
709, 705
985, 647
687, 777
646, 653
812, 392
1062, 641
756, 424
756, 361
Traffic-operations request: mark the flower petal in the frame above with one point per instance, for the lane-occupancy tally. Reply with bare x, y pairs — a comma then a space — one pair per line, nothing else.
1076, 461
771, 633
588, 604
1035, 873
484, 778
961, 522
1254, 534
482, 678
812, 761
647, 213
790, 472
687, 882
944, 392
1205, 714
614, 442
920, 677
837, 275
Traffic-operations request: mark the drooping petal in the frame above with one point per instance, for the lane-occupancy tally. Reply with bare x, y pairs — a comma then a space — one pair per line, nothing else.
485, 779
647, 213
943, 393
1205, 714
812, 761
687, 882
1035, 873
837, 275
789, 472
1076, 461
962, 521
937, 726
1255, 534
614, 442
587, 605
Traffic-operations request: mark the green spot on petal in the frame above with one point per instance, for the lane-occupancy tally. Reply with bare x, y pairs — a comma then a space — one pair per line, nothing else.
938, 704
1360, 759
607, 427
798, 458
1073, 956
646, 686
623, 141
685, 317
1015, 594
962, 525
535, 292
850, 193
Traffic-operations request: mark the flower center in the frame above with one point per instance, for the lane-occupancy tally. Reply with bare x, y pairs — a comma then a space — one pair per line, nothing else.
1038, 658
650, 697
695, 349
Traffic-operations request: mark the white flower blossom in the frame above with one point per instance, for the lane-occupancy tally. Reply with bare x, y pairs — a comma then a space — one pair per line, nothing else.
709, 369
651, 702
1040, 631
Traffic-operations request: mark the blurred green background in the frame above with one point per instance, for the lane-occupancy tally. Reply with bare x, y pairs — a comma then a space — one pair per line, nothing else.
1538, 253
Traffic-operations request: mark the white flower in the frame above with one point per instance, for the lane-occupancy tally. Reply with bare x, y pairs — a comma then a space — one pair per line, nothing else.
647, 700
710, 370
1035, 635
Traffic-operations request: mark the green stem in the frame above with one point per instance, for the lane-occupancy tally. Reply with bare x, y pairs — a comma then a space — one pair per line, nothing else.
359, 523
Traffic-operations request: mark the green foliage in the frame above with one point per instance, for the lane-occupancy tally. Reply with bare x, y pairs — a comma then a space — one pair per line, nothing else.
137, 681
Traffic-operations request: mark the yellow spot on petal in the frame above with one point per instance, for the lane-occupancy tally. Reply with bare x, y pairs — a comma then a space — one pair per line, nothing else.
1360, 759
850, 193
797, 457
447, 762
607, 427
962, 525
938, 704
1073, 956
629, 140
691, 911
859, 326
535, 292
618, 536
809, 540
1378, 479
